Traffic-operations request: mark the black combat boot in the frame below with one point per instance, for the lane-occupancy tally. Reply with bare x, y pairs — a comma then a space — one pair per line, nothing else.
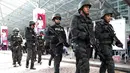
32, 66
14, 63
27, 63
19, 63
40, 63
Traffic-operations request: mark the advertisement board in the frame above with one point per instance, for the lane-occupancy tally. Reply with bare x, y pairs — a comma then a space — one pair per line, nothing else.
40, 18
4, 37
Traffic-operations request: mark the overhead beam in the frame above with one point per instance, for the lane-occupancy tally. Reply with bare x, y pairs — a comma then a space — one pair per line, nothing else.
23, 18
44, 4
105, 4
33, 4
1, 15
64, 4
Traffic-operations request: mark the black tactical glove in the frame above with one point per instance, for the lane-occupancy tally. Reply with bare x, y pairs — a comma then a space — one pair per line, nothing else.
75, 47
67, 45
119, 44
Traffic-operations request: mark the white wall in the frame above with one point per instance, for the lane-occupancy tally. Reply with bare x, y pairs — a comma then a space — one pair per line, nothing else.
119, 26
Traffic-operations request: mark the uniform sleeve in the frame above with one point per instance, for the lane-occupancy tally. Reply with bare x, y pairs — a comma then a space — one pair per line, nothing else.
128, 44
74, 26
112, 33
11, 42
90, 27
64, 35
11, 39
26, 32
91, 34
64, 38
48, 34
48, 31
97, 30
21, 39
74, 31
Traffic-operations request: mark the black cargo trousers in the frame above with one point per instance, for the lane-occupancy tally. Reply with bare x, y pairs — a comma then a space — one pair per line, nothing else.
82, 54
108, 63
17, 54
57, 50
31, 52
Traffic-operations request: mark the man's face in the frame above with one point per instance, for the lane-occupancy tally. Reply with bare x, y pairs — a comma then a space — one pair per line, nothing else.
32, 26
16, 32
86, 9
57, 20
108, 17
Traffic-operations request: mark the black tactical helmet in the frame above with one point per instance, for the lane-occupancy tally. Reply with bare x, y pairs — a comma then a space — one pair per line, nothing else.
31, 23
82, 4
56, 15
15, 30
106, 11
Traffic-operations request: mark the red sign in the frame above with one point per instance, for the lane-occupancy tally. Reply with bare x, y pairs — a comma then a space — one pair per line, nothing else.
40, 18
4, 36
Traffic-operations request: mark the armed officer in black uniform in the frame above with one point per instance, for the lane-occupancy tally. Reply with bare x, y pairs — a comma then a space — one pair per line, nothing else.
16, 48
30, 36
80, 36
40, 46
106, 36
58, 39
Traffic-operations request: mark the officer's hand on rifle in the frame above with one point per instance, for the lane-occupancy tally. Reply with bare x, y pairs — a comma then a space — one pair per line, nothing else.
67, 45
119, 44
93, 41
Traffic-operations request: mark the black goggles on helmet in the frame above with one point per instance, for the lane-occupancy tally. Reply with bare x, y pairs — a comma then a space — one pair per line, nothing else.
57, 18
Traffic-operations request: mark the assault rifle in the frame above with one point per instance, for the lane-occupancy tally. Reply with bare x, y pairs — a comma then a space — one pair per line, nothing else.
93, 41
61, 40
